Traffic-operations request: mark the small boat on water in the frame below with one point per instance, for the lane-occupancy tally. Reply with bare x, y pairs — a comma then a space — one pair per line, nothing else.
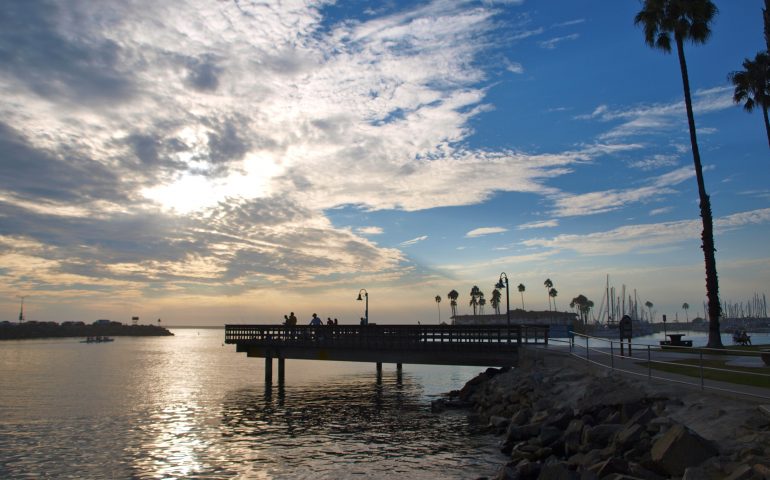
97, 339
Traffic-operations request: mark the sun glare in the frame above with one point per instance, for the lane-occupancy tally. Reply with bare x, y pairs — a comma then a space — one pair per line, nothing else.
190, 193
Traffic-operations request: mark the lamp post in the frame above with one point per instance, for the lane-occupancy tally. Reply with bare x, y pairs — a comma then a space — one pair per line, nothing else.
500, 284
366, 308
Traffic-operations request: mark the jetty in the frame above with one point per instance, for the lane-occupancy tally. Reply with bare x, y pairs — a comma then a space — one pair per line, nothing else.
479, 345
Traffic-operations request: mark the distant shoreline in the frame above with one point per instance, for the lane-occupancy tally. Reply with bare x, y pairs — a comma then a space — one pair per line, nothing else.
27, 331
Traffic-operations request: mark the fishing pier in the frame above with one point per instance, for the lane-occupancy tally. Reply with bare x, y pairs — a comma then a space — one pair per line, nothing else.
478, 345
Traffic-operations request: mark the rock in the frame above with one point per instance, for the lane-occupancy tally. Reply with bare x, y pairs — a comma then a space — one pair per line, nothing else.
741, 472
500, 424
629, 435
521, 417
524, 432
680, 448
642, 417
610, 466
600, 435
558, 471
548, 435
763, 471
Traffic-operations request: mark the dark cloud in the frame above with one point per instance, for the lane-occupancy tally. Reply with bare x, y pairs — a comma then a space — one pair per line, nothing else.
155, 153
226, 145
203, 75
36, 174
54, 65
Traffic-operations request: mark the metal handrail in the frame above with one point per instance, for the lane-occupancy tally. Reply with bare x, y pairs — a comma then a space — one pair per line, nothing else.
387, 336
649, 349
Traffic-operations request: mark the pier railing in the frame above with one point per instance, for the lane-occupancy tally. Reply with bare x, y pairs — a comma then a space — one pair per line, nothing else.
411, 337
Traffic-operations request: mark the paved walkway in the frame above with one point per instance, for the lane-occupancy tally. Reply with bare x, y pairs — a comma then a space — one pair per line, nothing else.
634, 366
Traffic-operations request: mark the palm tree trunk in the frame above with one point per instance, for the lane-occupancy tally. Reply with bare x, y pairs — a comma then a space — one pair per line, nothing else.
712, 281
767, 123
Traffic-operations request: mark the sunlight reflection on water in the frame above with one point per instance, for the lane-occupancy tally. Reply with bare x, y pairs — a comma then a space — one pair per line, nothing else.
186, 407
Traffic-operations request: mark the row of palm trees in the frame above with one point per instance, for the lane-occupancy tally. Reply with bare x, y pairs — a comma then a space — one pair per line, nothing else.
478, 299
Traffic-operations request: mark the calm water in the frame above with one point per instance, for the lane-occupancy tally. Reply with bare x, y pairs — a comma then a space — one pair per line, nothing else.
189, 407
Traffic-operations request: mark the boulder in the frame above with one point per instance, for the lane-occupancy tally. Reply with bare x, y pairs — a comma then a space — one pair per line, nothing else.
610, 466
600, 435
558, 471
524, 432
680, 448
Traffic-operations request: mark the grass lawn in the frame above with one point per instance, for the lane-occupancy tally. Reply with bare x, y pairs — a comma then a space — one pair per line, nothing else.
749, 350
738, 375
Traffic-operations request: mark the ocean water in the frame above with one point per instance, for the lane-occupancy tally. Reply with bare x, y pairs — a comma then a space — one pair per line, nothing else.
189, 406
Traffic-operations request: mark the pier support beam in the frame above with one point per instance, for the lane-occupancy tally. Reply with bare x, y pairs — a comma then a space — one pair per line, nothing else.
379, 368
399, 367
268, 370
281, 369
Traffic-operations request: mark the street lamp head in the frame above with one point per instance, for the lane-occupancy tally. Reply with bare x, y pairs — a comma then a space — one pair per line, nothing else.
359, 297
499, 284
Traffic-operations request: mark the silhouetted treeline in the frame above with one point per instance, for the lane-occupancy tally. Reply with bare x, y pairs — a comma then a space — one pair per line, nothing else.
14, 331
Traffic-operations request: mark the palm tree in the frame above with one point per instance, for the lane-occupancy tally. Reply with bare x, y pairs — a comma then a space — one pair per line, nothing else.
685, 307
552, 294
496, 297
521, 288
548, 285
752, 86
452, 296
649, 306
438, 302
766, 21
688, 20
482, 302
474, 298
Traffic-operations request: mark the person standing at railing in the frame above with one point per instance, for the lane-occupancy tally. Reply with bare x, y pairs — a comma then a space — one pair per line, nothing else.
315, 320
292, 319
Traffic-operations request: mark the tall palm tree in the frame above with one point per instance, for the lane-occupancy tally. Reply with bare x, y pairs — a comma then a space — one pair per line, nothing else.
688, 20
482, 303
552, 294
474, 298
752, 86
521, 288
548, 285
766, 18
496, 297
438, 305
685, 307
452, 296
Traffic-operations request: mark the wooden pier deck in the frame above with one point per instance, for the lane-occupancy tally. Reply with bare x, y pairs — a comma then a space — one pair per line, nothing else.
436, 344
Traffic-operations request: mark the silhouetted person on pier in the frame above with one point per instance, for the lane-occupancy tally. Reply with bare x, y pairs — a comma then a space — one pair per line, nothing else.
329, 321
292, 319
315, 320
336, 322
286, 320
363, 321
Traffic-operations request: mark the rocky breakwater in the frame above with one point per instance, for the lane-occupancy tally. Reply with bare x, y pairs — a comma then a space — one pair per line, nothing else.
562, 421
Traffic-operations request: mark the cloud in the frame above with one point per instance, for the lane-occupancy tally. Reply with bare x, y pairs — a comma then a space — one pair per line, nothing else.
370, 230
645, 237
413, 241
552, 43
513, 67
655, 161
542, 224
480, 232
592, 203
569, 23
657, 118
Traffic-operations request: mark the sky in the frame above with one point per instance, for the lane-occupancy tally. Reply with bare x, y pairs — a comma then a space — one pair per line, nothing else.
208, 162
